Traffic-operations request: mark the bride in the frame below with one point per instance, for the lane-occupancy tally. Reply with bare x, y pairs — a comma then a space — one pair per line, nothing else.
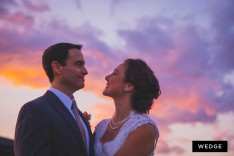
133, 87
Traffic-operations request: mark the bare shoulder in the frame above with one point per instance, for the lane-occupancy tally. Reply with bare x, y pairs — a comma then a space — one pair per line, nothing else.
146, 130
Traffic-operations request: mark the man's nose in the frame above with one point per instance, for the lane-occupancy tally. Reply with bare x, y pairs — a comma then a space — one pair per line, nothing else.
85, 71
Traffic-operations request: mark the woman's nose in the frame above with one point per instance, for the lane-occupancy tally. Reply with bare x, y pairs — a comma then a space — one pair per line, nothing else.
107, 77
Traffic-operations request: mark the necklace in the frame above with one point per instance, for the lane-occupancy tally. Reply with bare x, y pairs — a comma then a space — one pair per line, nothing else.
114, 125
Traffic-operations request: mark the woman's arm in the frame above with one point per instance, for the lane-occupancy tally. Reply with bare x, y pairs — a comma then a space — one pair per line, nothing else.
140, 142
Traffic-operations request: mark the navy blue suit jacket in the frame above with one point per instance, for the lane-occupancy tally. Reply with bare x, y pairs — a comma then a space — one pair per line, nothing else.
46, 128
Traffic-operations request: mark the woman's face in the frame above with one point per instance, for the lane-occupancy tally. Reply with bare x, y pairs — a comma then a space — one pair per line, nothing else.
115, 84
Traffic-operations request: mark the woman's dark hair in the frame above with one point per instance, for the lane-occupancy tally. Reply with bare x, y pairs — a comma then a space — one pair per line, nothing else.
146, 85
59, 53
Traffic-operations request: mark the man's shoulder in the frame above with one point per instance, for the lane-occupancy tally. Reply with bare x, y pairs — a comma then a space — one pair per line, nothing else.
39, 101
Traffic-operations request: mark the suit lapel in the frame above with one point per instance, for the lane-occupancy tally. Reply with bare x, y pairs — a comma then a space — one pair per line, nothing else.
62, 110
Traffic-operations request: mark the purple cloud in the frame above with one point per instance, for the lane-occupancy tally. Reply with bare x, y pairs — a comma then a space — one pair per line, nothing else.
7, 3
28, 38
13, 19
32, 7
223, 23
149, 36
187, 61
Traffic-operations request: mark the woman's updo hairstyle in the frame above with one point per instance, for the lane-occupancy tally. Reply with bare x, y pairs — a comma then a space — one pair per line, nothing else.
146, 85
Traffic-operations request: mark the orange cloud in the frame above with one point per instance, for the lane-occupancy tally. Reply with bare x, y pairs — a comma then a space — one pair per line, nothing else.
23, 70
18, 75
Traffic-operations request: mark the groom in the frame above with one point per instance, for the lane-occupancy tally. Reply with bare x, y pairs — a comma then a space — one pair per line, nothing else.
48, 125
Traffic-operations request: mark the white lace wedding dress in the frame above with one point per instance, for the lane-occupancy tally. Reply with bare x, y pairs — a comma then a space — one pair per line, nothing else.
110, 148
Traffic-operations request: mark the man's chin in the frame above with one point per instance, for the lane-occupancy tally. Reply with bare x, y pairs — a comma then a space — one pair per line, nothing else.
105, 93
80, 87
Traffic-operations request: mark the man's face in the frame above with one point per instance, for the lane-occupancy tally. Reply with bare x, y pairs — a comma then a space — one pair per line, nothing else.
73, 73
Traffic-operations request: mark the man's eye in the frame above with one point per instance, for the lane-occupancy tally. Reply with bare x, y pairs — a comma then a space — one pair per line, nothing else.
79, 64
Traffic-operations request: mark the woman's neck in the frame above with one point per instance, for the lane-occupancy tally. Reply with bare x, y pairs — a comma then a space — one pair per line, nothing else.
122, 110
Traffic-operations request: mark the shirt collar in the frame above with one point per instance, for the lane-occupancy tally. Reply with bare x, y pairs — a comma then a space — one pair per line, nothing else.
66, 100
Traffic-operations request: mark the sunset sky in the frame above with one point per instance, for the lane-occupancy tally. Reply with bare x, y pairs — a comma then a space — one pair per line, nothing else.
188, 43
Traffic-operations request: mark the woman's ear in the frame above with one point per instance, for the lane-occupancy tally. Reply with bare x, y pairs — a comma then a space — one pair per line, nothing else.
129, 87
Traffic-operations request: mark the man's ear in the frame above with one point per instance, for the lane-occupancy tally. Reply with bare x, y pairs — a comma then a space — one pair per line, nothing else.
56, 67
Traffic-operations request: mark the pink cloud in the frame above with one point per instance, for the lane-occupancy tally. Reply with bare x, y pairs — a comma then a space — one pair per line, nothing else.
16, 17
163, 148
20, 18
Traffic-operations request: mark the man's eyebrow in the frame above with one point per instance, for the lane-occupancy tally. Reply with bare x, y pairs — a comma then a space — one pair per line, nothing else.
80, 61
